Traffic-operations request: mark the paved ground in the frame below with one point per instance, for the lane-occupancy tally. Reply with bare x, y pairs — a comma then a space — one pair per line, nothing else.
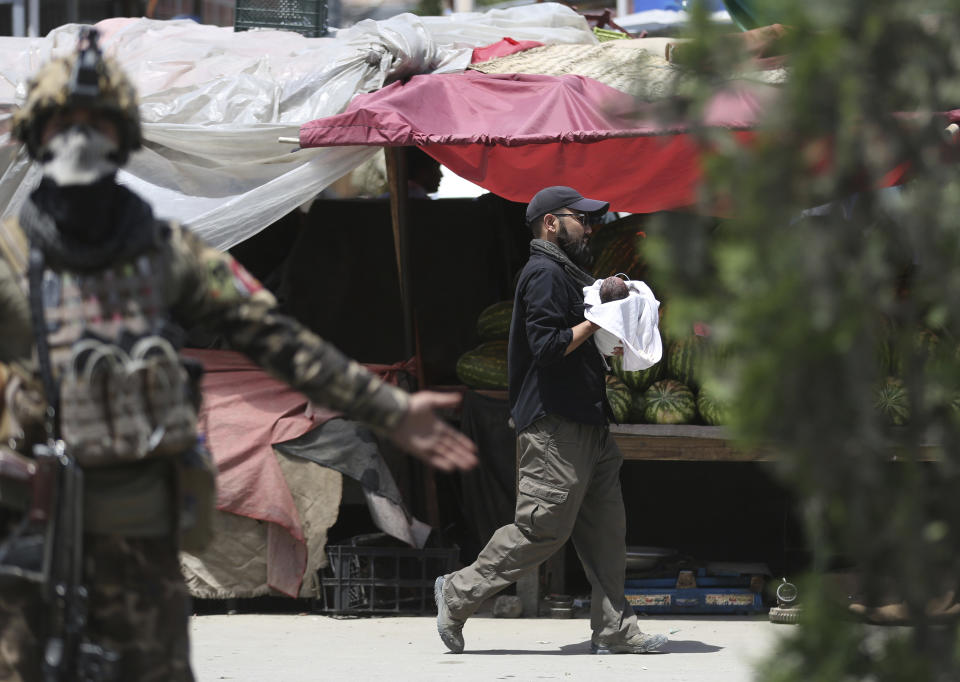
305, 648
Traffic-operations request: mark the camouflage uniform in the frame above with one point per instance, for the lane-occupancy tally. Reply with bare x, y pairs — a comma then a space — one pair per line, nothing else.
138, 604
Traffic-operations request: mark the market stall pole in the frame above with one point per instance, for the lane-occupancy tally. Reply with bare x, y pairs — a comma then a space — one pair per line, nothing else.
396, 162
400, 220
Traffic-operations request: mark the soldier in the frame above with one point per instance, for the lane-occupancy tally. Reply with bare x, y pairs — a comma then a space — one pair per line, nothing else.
94, 295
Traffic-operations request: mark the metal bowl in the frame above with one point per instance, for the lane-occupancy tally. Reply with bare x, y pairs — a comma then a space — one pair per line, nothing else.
642, 558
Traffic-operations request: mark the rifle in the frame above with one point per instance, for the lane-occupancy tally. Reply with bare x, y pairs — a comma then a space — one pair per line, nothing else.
58, 505
67, 654
47, 548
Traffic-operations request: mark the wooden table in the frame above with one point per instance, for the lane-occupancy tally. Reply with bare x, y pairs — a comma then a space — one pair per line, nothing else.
681, 442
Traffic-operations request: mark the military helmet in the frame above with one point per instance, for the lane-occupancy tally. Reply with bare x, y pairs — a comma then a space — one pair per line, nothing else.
87, 80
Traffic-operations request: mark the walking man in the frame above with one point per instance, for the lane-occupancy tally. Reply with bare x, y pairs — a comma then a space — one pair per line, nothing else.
569, 466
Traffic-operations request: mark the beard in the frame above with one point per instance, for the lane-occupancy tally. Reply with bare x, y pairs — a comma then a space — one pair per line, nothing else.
577, 250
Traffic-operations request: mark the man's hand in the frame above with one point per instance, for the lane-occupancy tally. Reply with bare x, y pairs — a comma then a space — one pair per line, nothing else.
428, 437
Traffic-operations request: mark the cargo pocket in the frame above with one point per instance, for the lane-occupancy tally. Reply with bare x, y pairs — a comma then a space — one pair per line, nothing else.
540, 510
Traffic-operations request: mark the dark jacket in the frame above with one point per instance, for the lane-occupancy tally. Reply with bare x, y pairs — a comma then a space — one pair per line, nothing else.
542, 380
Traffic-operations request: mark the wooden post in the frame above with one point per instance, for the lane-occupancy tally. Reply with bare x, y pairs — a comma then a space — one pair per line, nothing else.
399, 215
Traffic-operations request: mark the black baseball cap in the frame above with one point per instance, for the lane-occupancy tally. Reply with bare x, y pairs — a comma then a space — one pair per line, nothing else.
550, 199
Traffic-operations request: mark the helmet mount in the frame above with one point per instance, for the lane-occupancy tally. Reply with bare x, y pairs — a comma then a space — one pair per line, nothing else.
85, 78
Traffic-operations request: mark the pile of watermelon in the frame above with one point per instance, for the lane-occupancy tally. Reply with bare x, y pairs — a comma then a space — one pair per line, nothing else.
903, 349
676, 390
486, 365
616, 248
673, 391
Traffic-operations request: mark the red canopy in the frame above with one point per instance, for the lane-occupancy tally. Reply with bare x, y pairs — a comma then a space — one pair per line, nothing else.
513, 134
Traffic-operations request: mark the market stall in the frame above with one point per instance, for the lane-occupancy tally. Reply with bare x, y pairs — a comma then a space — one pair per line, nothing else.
514, 132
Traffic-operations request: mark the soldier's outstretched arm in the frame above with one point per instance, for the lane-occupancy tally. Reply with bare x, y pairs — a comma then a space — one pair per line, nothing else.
214, 290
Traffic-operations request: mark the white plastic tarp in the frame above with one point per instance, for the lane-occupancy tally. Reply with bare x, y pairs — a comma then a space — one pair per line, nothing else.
214, 102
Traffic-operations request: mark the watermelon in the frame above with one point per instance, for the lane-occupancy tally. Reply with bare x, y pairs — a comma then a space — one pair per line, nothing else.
618, 395
888, 358
615, 248
485, 366
892, 401
638, 405
494, 321
685, 359
893, 347
712, 408
669, 402
636, 381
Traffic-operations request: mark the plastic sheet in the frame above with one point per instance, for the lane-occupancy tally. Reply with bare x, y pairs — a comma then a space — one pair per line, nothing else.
214, 102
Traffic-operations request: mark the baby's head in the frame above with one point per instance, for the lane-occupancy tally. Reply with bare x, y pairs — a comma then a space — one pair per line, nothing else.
613, 289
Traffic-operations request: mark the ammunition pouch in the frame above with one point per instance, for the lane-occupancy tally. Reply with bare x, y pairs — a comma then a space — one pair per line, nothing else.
116, 407
135, 499
153, 498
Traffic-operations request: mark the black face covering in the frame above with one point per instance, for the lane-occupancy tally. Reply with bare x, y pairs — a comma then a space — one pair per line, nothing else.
83, 213
577, 251
86, 227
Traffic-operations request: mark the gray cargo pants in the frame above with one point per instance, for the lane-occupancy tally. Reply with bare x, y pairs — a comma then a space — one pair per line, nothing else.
568, 486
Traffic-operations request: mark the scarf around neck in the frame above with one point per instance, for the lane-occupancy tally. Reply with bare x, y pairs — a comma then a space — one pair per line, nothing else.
80, 232
555, 253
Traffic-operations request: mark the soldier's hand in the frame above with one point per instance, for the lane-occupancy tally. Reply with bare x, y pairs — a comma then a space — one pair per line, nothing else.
428, 437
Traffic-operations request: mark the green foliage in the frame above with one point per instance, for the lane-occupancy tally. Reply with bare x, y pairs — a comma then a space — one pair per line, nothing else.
818, 309
713, 404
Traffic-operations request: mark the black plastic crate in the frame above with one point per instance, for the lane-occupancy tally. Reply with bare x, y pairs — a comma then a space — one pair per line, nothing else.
383, 579
307, 17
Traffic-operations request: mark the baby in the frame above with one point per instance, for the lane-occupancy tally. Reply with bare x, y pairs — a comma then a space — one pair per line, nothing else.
613, 289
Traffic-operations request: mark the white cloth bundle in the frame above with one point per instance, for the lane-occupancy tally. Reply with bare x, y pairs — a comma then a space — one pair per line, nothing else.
631, 322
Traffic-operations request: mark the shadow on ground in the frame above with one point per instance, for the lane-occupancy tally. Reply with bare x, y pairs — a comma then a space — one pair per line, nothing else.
674, 646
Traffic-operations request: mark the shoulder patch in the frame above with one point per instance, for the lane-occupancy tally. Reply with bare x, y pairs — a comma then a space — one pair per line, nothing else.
228, 280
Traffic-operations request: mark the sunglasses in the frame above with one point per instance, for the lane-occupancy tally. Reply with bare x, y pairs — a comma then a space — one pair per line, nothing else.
582, 218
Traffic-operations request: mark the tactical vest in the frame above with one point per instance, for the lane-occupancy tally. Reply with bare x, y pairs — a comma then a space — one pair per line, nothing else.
124, 394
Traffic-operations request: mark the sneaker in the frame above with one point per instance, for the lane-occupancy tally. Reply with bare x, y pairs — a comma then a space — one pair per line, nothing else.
451, 630
640, 643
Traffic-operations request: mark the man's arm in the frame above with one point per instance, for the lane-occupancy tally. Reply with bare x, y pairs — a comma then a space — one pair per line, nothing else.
548, 306
581, 333
217, 292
